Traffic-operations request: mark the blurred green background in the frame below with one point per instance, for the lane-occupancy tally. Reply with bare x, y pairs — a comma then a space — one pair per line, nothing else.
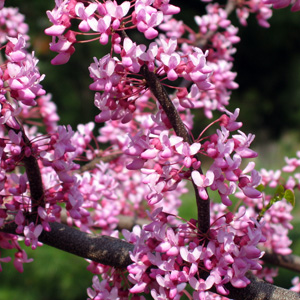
268, 66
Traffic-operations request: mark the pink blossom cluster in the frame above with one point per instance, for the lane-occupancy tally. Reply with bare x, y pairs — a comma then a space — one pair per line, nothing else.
44, 114
216, 31
277, 222
165, 160
15, 194
117, 78
10, 241
111, 286
12, 24
21, 77
59, 157
110, 189
284, 3
105, 19
296, 284
262, 9
146, 165
227, 252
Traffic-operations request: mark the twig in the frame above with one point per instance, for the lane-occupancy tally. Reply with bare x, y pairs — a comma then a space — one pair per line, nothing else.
92, 164
32, 170
291, 262
157, 89
261, 290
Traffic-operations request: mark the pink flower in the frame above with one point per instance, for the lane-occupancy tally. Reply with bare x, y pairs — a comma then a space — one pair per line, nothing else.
188, 151
130, 55
242, 143
31, 233
60, 17
202, 182
23, 76
146, 18
165, 7
248, 184
117, 12
5, 260
284, 3
86, 14
200, 286
296, 284
20, 259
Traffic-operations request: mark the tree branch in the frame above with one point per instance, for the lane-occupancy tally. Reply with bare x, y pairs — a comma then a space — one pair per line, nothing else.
157, 89
128, 222
114, 252
35, 182
291, 262
102, 249
92, 164
261, 290
32, 170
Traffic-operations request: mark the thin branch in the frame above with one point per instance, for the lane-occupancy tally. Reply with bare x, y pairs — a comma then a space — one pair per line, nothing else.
157, 89
92, 164
291, 262
127, 222
35, 182
32, 169
162, 97
261, 290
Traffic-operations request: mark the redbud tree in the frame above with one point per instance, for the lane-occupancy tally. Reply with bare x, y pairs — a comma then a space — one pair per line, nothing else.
112, 196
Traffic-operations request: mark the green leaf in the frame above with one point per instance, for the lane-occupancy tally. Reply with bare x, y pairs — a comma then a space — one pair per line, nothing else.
290, 196
260, 188
280, 192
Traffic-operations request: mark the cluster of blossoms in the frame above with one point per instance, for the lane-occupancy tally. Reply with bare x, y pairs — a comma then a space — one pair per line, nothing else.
20, 81
105, 20
12, 24
284, 3
167, 258
170, 56
147, 165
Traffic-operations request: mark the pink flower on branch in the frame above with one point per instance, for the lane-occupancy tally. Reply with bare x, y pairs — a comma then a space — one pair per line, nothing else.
86, 15
31, 233
61, 16
22, 74
202, 182
228, 255
284, 3
20, 259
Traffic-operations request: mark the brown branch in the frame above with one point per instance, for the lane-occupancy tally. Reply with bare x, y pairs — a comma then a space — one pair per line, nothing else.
291, 262
35, 182
162, 97
127, 222
32, 170
102, 249
92, 164
157, 89
261, 290
114, 252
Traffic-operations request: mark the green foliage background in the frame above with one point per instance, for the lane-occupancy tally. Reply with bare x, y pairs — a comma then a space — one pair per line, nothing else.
268, 66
